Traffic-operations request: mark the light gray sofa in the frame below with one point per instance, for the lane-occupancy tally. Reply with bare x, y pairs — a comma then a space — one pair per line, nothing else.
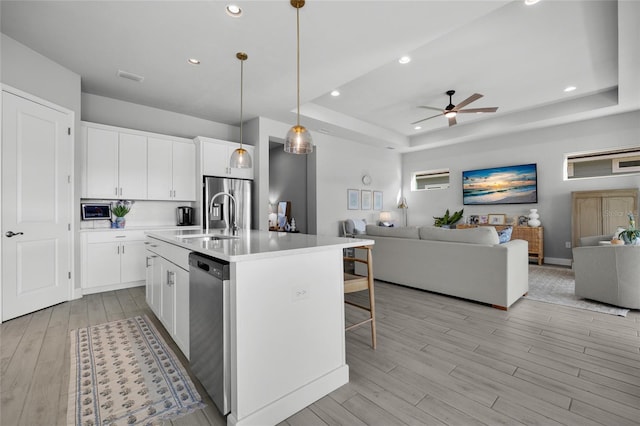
467, 263
609, 274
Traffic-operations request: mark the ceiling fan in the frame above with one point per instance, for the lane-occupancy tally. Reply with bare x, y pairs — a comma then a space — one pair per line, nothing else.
452, 110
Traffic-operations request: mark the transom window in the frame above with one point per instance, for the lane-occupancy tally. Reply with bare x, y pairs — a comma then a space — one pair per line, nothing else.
430, 179
603, 163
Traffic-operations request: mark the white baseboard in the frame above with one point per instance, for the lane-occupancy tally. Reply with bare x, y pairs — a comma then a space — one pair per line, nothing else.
558, 261
111, 287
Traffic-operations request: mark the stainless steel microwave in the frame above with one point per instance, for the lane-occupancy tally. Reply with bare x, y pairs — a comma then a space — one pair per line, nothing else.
96, 211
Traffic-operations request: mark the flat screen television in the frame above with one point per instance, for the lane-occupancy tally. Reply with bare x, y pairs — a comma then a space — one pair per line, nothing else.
500, 185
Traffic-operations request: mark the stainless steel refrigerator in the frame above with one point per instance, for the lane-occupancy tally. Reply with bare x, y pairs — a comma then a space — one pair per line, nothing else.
221, 213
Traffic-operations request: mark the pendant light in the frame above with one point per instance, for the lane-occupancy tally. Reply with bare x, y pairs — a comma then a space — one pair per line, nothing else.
298, 140
240, 159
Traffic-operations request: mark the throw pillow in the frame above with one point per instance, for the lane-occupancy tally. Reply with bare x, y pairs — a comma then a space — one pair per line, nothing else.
505, 234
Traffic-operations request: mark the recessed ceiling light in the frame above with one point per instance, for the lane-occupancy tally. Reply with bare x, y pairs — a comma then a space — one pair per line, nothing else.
570, 88
233, 10
335, 93
194, 61
530, 2
417, 128
404, 60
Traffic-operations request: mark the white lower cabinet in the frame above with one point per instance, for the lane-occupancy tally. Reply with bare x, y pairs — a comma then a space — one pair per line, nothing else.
112, 260
168, 289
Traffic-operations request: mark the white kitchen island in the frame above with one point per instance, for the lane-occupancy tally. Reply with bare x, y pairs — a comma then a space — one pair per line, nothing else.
286, 318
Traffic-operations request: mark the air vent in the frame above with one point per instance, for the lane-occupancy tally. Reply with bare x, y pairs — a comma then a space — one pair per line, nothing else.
130, 76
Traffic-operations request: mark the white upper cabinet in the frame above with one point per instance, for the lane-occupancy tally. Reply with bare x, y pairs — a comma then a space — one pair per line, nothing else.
101, 164
129, 164
115, 164
184, 171
215, 155
132, 166
171, 170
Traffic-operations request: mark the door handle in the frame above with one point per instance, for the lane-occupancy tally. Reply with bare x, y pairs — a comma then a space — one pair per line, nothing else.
13, 234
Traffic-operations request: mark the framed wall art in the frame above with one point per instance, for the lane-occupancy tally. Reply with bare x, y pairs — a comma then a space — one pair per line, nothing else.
366, 200
353, 199
377, 200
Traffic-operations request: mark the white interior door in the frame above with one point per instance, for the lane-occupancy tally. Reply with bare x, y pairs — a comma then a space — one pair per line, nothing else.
36, 205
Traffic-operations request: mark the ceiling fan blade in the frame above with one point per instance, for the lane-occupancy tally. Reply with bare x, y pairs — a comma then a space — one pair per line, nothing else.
467, 101
428, 118
428, 107
488, 109
452, 121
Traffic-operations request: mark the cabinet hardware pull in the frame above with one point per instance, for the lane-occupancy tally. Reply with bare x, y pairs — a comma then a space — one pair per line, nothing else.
118, 249
116, 190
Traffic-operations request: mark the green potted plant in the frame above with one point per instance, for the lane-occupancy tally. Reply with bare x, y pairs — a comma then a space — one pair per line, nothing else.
631, 235
448, 219
120, 209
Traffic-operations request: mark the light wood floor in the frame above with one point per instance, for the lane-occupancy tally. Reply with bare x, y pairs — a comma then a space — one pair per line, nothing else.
440, 360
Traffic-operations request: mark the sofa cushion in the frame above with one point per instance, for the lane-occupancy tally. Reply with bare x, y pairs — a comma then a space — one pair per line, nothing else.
355, 226
505, 235
486, 235
400, 232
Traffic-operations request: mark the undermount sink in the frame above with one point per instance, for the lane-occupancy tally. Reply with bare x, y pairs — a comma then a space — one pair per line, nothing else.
207, 237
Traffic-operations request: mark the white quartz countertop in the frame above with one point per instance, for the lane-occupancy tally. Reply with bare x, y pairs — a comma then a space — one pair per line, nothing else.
253, 244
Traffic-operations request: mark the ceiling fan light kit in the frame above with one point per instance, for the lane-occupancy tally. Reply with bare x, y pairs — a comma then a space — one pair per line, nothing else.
298, 139
451, 110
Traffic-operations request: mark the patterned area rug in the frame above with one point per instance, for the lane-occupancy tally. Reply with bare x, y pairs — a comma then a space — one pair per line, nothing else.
123, 373
557, 285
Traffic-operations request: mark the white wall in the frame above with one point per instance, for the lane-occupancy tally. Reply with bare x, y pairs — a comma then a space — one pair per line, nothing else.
99, 109
547, 148
340, 165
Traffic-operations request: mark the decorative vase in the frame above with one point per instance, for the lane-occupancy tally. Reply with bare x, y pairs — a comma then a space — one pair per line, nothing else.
120, 222
534, 221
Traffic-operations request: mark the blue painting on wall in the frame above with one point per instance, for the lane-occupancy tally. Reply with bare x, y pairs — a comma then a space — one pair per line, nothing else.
500, 185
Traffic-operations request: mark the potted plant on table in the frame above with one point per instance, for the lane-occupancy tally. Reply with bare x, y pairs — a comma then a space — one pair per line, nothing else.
120, 209
631, 235
447, 220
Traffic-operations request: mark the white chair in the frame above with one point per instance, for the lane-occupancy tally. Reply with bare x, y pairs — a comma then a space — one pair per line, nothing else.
609, 274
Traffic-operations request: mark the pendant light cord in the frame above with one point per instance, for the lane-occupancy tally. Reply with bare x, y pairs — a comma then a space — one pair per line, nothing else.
298, 57
241, 97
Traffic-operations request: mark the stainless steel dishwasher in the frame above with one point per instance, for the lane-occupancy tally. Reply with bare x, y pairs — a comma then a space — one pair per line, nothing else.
209, 326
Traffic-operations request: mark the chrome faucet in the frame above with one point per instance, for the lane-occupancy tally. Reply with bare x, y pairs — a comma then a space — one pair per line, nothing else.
234, 225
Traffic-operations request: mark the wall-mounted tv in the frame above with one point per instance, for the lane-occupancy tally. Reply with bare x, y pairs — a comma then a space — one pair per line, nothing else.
500, 185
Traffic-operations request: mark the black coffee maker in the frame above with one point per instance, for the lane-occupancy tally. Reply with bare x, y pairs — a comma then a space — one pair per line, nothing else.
185, 215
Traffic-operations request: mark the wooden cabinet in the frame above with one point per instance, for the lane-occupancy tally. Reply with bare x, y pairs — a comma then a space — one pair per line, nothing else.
171, 170
534, 236
111, 260
601, 212
215, 155
168, 289
115, 164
